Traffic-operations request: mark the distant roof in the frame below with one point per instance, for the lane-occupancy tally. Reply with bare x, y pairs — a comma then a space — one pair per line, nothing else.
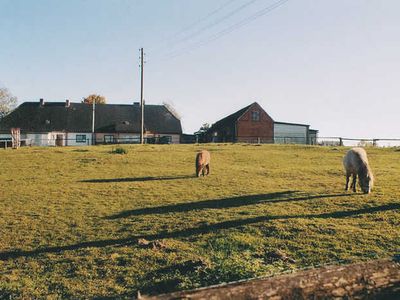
231, 118
110, 118
295, 124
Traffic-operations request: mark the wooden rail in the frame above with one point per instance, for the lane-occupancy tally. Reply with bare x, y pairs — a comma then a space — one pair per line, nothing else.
378, 279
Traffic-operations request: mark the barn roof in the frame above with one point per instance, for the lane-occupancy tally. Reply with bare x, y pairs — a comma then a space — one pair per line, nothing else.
231, 118
294, 124
110, 118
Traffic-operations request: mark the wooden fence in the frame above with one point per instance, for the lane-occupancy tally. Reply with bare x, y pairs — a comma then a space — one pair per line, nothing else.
377, 279
344, 141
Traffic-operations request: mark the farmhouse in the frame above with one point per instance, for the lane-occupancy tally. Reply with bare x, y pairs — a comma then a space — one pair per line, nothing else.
70, 124
252, 124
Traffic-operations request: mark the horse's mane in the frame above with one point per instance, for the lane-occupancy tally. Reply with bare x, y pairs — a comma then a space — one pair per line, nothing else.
364, 169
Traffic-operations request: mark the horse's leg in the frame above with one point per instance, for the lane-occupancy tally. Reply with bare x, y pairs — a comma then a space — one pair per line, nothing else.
198, 171
347, 181
203, 170
353, 184
208, 169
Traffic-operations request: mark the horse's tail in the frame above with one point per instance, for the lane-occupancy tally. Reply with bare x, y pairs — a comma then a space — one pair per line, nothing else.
197, 163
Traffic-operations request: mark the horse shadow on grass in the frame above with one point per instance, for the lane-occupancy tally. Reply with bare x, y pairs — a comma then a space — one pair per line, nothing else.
140, 179
277, 197
189, 232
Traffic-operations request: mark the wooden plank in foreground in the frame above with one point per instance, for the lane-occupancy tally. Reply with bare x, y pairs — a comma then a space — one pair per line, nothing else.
378, 279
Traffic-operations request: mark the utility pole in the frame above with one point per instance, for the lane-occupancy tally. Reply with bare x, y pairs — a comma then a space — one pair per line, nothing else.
93, 116
141, 98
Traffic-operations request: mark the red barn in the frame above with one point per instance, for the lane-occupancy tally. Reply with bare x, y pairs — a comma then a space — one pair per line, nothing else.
250, 124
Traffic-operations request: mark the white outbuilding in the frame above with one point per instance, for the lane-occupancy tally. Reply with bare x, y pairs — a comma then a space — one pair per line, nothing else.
294, 133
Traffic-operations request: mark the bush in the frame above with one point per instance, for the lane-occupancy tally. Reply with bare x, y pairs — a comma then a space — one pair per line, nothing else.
119, 150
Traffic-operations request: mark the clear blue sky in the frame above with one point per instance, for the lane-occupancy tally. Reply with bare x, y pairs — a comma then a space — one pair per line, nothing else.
332, 64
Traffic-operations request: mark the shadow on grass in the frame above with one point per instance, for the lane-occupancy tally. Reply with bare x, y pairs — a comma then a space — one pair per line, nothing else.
203, 229
222, 203
133, 179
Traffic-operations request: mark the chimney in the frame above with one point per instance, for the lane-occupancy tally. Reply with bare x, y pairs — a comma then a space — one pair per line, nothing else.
67, 103
41, 101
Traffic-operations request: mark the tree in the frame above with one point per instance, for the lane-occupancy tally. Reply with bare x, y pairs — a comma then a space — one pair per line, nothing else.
201, 133
94, 98
204, 128
172, 110
7, 102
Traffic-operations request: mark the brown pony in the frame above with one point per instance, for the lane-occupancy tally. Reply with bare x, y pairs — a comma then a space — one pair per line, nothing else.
203, 163
356, 163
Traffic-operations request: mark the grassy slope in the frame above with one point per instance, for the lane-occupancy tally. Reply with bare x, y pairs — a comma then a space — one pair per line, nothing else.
64, 236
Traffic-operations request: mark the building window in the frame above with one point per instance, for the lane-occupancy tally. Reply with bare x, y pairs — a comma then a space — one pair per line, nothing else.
81, 138
166, 139
255, 116
108, 139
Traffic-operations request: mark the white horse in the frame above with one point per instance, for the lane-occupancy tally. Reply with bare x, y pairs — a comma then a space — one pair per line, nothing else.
356, 163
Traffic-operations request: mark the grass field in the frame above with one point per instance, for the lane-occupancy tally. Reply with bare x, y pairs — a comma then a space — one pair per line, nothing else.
75, 222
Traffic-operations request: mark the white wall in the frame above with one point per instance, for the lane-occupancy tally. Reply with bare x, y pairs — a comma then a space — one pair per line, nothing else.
129, 138
176, 138
45, 139
290, 134
5, 136
27, 138
71, 139
39, 139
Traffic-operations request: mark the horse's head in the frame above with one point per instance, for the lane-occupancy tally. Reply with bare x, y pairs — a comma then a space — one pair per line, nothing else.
366, 183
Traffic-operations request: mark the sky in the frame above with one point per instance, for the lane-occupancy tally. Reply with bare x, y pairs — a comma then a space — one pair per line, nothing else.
334, 65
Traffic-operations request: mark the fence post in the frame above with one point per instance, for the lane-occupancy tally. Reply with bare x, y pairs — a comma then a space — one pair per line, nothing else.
340, 142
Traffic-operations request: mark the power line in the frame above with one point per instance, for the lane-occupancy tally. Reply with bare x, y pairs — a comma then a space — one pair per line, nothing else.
228, 30
174, 37
216, 22
210, 14
249, 19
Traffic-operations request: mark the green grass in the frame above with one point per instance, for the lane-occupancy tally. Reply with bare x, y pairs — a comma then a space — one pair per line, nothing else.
70, 218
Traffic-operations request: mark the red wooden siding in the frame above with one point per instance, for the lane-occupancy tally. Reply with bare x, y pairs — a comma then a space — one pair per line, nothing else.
249, 130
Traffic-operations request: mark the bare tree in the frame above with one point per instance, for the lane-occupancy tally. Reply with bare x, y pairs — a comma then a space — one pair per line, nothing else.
94, 98
169, 105
7, 102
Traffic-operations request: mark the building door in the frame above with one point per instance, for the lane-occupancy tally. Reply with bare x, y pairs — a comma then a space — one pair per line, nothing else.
38, 139
60, 140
